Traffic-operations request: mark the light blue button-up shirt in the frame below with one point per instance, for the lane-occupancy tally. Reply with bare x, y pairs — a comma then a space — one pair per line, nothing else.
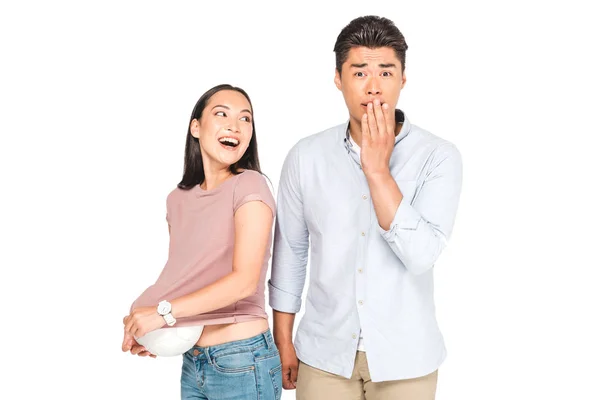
363, 277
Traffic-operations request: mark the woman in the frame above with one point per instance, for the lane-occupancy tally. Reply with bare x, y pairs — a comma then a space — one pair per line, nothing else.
220, 220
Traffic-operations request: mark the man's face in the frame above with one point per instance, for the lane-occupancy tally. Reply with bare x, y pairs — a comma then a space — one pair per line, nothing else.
370, 74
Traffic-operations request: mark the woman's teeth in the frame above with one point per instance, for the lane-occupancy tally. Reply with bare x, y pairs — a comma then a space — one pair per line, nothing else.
229, 141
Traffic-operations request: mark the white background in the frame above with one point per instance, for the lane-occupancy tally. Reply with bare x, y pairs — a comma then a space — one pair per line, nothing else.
95, 101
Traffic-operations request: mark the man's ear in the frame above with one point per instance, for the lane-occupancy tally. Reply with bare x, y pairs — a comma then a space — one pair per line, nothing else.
338, 79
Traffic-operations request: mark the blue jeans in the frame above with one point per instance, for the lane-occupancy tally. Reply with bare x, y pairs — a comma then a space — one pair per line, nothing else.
241, 370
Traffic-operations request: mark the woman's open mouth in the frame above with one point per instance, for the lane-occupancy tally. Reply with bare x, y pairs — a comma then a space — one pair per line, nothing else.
229, 143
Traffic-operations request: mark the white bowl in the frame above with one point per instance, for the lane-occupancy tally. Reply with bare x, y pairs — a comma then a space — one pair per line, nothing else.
169, 342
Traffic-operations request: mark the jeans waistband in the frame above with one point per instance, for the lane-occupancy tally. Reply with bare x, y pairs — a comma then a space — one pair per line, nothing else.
208, 353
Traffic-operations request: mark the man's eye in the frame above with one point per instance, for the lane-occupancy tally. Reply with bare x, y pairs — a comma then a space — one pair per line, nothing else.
360, 74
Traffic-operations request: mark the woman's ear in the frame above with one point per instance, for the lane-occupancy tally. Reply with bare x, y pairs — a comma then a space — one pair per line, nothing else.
195, 128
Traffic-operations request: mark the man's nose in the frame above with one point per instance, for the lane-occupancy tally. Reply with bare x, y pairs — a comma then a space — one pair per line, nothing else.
374, 88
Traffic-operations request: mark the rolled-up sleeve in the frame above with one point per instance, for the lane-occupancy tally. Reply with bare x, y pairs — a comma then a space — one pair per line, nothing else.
290, 247
419, 231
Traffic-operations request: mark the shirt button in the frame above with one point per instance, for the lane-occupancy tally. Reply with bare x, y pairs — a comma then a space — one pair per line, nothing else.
360, 302
360, 270
364, 196
362, 234
354, 336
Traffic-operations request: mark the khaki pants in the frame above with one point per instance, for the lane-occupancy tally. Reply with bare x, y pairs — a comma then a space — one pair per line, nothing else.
314, 384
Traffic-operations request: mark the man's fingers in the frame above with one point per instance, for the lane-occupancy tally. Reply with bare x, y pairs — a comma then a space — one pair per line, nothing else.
390, 118
379, 118
294, 375
372, 122
286, 379
289, 378
364, 126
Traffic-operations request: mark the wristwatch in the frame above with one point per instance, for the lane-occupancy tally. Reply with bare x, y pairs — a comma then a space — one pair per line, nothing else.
164, 309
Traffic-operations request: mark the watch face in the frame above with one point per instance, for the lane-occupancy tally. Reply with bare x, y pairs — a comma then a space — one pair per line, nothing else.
164, 308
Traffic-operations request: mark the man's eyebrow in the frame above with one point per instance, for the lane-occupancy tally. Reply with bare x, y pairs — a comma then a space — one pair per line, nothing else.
390, 65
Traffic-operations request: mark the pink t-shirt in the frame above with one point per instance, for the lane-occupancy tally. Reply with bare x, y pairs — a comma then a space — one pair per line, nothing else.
201, 247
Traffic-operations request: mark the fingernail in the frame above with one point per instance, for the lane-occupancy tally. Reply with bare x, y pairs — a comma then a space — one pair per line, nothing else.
376, 102
385, 106
370, 106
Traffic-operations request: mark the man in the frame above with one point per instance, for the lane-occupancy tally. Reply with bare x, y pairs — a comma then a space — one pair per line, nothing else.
377, 196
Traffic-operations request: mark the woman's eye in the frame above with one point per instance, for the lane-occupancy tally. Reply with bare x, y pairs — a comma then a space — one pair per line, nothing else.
220, 114
246, 119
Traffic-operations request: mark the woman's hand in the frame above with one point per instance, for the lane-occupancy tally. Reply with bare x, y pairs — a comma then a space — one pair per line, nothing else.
129, 344
143, 320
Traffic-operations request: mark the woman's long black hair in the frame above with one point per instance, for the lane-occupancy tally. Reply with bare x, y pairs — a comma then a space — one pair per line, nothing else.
193, 168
